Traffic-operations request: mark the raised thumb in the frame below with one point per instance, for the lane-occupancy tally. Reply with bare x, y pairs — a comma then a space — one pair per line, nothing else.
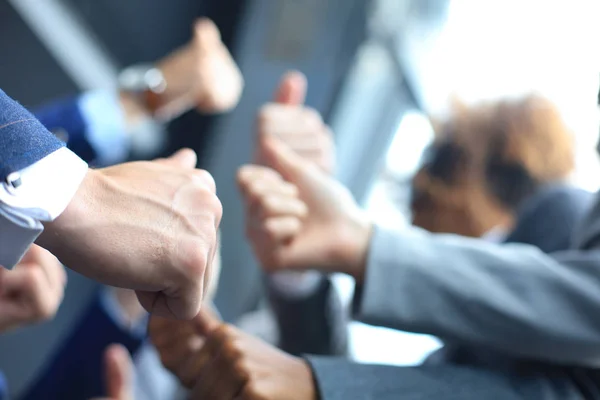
206, 33
184, 158
292, 89
118, 373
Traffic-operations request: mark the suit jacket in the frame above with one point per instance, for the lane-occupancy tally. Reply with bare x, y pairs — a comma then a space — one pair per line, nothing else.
549, 219
510, 299
23, 139
64, 118
76, 370
466, 371
316, 324
340, 379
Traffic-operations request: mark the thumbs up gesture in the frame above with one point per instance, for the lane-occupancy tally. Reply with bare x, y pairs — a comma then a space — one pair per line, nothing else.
118, 370
298, 217
298, 126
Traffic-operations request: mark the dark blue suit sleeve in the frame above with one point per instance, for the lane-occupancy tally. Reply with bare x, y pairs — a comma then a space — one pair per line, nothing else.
23, 139
76, 371
64, 117
3, 387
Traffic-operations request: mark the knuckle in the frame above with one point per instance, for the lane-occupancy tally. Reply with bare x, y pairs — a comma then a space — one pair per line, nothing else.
231, 351
271, 204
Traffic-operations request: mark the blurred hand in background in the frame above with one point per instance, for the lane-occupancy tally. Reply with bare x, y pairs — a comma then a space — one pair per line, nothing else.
297, 125
32, 291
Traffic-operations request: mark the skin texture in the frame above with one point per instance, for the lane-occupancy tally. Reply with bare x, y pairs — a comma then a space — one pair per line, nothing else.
231, 364
32, 291
314, 222
201, 74
147, 226
248, 367
295, 124
118, 373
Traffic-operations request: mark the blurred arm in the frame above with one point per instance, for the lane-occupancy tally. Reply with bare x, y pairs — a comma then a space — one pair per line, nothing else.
513, 298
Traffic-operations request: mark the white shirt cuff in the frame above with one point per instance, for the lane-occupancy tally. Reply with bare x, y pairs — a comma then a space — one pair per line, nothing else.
109, 134
106, 128
46, 188
295, 285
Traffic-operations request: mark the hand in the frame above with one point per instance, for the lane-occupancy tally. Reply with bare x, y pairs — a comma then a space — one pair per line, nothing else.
232, 364
32, 291
147, 226
298, 126
178, 341
310, 221
132, 309
201, 74
119, 373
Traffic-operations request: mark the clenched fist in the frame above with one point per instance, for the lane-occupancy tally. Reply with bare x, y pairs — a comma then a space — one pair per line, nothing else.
300, 127
201, 74
229, 364
32, 291
147, 226
298, 218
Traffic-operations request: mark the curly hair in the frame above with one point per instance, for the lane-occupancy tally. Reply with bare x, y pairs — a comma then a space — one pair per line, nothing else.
491, 157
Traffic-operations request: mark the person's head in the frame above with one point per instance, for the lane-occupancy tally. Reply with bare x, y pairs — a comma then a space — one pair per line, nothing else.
485, 161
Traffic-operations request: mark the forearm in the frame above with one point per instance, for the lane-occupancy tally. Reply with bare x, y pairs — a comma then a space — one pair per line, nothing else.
513, 298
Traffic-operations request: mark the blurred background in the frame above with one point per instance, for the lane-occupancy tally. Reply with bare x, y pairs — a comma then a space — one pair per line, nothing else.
376, 70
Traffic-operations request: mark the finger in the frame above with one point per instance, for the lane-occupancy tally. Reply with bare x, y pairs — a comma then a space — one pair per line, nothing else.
16, 281
206, 322
184, 158
281, 229
284, 160
206, 179
220, 379
119, 373
274, 204
32, 255
292, 89
206, 33
191, 371
255, 189
53, 271
250, 173
183, 305
287, 121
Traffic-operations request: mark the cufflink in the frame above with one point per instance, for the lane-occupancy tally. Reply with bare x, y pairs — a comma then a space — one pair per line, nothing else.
12, 182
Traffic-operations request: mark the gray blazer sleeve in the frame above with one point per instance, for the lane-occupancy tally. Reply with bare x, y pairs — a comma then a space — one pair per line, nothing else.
339, 379
513, 298
316, 324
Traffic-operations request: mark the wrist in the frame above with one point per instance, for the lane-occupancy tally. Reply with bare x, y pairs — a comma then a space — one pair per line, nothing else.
178, 73
306, 388
55, 232
353, 245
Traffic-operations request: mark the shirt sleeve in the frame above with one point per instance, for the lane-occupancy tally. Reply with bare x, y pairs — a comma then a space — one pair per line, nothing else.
106, 128
110, 136
40, 193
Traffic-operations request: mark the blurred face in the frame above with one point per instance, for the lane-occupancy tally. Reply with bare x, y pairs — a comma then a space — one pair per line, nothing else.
449, 196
